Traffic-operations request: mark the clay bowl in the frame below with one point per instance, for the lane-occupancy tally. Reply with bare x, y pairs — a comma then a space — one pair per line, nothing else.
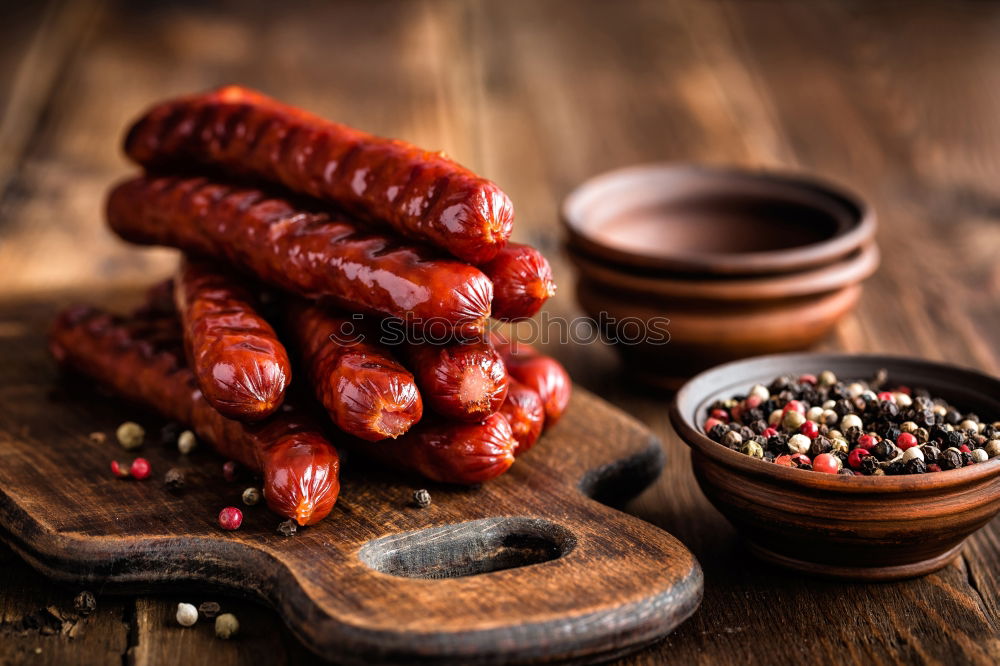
669, 218
871, 528
714, 320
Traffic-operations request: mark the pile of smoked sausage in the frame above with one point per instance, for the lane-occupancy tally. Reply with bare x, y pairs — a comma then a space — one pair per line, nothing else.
301, 240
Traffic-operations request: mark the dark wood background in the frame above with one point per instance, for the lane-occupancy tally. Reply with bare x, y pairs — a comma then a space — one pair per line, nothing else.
899, 100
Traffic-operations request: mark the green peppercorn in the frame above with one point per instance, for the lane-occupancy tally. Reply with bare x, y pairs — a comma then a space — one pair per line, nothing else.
921, 434
251, 496
840, 445
827, 378
752, 449
226, 626
908, 426
186, 442
992, 448
792, 420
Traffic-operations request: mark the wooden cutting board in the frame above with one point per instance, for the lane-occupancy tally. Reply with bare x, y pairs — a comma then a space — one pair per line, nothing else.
528, 567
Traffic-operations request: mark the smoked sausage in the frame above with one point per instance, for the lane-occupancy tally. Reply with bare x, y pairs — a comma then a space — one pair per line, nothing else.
522, 282
464, 381
525, 413
143, 360
422, 195
539, 372
307, 252
367, 392
462, 453
237, 359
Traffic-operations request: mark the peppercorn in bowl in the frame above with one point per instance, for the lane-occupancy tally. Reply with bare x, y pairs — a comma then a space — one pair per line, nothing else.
786, 489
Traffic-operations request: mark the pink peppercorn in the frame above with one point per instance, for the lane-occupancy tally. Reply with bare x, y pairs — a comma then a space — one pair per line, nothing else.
769, 432
934, 467
965, 449
799, 459
119, 470
885, 396
794, 405
826, 463
855, 457
784, 461
710, 423
807, 379
140, 468
906, 441
867, 442
230, 518
720, 414
810, 429
229, 470
752, 402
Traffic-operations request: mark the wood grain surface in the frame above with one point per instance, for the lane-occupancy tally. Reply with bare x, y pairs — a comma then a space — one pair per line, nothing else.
897, 100
524, 568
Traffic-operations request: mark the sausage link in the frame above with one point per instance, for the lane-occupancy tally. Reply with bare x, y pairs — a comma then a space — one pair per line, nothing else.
143, 360
525, 413
237, 359
463, 453
539, 372
522, 282
464, 381
422, 195
367, 392
302, 251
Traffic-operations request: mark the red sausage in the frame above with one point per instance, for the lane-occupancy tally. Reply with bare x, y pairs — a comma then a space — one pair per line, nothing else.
143, 360
367, 392
302, 251
422, 195
522, 282
462, 381
541, 373
463, 453
237, 359
525, 413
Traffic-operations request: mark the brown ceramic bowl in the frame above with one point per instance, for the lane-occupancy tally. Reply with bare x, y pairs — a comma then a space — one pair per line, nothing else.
858, 527
714, 320
705, 220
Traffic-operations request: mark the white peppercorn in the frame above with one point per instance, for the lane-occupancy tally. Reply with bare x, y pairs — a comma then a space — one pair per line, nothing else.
187, 442
980, 455
939, 410
850, 421
130, 435
814, 414
835, 434
761, 392
908, 426
774, 418
792, 420
855, 389
829, 404
187, 614
799, 443
913, 453
732, 439
827, 378
968, 424
226, 626
251, 496
992, 448
828, 417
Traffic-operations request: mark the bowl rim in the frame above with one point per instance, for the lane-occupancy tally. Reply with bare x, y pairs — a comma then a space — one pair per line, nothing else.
685, 400
747, 263
855, 267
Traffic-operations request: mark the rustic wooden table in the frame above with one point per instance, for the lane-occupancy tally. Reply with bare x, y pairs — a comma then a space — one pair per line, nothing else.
897, 100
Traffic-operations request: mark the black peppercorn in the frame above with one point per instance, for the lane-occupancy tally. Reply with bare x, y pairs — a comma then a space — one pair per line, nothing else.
288, 528
931, 453
954, 438
952, 416
422, 498
746, 433
85, 603
916, 466
209, 609
950, 459
820, 445
174, 479
895, 468
846, 471
718, 432
884, 450
170, 432
869, 464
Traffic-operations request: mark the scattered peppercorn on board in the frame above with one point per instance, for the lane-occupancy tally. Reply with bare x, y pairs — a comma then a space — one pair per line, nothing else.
525, 568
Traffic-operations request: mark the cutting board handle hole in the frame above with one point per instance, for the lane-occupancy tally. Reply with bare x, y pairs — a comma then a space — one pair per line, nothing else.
469, 549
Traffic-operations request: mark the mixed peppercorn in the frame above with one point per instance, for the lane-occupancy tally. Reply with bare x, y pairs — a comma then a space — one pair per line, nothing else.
823, 424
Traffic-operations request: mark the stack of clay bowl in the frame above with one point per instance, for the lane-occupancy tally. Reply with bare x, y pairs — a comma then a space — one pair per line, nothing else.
684, 267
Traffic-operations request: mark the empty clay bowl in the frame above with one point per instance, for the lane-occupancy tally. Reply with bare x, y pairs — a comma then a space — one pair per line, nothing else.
710, 321
858, 527
695, 219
